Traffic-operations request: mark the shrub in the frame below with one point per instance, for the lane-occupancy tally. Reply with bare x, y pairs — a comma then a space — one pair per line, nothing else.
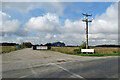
27, 44
82, 46
77, 51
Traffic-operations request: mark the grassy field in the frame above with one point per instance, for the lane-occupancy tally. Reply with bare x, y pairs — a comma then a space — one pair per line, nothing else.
99, 51
64, 49
6, 49
104, 50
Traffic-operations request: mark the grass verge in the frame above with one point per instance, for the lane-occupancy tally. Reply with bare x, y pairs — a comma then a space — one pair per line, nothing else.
98, 54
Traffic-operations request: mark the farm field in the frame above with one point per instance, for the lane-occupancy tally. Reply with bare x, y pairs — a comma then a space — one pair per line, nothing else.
103, 50
64, 49
98, 50
6, 49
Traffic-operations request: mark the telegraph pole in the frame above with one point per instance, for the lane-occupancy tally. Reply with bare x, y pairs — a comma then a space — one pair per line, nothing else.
87, 21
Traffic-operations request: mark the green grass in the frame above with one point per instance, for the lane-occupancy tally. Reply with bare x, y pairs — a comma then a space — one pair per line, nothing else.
98, 54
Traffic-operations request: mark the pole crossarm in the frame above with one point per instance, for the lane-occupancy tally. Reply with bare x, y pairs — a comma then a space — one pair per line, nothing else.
85, 14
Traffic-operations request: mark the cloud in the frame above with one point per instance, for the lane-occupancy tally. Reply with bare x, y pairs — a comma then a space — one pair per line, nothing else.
19, 39
48, 23
107, 23
10, 26
48, 36
74, 27
104, 28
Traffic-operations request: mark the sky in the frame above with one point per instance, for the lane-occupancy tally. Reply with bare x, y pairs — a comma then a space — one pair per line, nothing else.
44, 22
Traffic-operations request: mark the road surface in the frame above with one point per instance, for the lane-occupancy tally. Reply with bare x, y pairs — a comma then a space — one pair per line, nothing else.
28, 63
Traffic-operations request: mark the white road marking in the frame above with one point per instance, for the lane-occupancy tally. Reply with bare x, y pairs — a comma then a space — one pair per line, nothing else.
31, 68
31, 74
76, 75
46, 64
24, 76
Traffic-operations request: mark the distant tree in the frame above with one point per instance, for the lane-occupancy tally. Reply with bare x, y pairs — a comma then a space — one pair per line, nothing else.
41, 44
27, 44
83, 45
48, 44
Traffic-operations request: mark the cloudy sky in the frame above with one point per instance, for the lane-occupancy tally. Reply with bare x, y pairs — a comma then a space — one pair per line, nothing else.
43, 22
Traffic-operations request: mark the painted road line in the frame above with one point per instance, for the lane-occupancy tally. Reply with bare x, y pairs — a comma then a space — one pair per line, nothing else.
32, 70
76, 75
24, 76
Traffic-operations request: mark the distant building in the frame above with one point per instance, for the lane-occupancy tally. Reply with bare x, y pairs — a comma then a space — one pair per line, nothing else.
58, 44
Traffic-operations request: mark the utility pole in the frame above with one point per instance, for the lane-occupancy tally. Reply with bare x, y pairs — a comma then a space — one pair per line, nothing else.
86, 20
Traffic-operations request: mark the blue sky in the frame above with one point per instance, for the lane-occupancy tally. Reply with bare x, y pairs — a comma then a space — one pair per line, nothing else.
58, 21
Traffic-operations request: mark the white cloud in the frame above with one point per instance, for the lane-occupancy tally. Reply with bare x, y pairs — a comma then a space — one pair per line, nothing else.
4, 15
48, 23
48, 36
74, 27
107, 22
10, 26
104, 28
19, 39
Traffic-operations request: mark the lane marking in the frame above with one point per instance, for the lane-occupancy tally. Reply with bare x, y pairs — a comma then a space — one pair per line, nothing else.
76, 75
33, 71
31, 74
24, 76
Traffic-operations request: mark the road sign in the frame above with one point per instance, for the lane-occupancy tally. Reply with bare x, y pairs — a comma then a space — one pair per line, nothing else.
87, 50
16, 46
41, 47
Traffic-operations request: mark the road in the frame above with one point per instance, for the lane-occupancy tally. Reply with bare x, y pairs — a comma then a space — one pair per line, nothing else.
28, 63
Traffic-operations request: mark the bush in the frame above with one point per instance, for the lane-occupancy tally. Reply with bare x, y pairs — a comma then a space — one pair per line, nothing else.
27, 44
77, 50
21, 46
82, 46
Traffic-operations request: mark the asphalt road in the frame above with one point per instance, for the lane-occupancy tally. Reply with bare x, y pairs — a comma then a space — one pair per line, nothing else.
89, 68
